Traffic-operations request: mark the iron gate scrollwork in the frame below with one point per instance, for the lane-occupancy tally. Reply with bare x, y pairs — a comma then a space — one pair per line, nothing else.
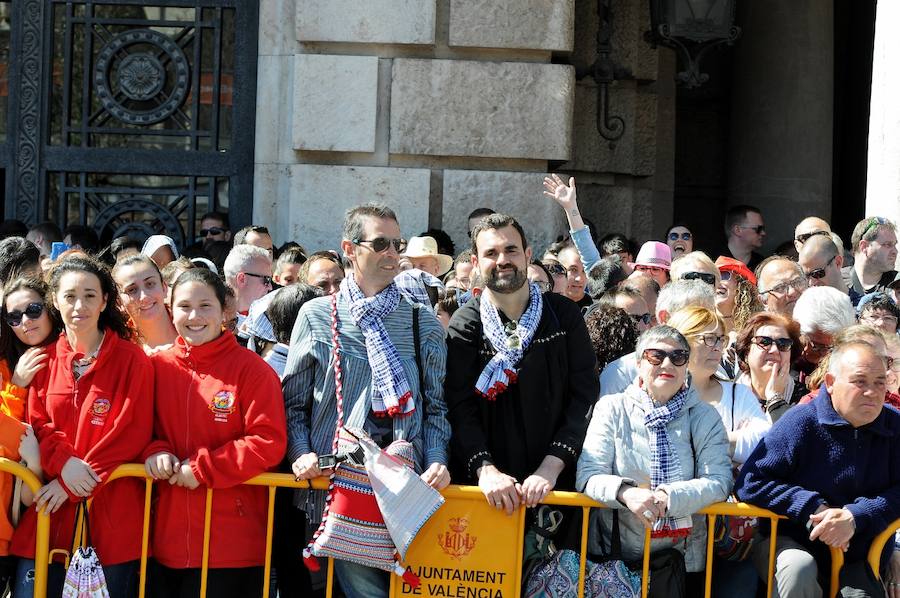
131, 117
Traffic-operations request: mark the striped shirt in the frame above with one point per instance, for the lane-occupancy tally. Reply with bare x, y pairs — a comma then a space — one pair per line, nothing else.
308, 383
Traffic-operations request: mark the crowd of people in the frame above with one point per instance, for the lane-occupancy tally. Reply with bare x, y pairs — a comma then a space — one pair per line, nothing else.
654, 379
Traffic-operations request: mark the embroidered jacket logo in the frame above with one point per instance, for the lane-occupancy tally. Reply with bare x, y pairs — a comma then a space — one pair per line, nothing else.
222, 405
456, 542
99, 410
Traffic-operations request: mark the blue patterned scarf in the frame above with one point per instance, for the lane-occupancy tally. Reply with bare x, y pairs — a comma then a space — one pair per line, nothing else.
501, 371
391, 394
665, 467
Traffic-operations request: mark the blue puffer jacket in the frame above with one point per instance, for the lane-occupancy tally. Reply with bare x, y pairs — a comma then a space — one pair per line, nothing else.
812, 456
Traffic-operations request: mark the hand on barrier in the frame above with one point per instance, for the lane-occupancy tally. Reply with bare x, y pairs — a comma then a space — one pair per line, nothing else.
32, 361
892, 579
161, 466
79, 477
437, 476
834, 527
51, 497
538, 485
184, 476
29, 450
306, 467
645, 504
501, 490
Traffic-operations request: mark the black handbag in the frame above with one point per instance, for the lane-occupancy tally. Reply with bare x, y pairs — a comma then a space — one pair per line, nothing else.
668, 575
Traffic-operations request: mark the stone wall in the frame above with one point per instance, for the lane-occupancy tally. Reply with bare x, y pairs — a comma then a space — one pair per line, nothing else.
437, 107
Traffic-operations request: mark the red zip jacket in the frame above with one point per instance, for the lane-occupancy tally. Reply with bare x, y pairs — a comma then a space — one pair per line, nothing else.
106, 419
220, 406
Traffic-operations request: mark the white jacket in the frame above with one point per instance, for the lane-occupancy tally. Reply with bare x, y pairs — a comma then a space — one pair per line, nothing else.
617, 449
741, 413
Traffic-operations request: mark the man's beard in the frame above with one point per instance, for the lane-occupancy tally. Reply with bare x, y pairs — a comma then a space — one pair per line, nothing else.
508, 284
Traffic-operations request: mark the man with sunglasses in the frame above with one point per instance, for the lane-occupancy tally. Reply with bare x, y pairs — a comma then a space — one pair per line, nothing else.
248, 270
214, 227
822, 262
520, 380
874, 243
808, 228
389, 389
745, 231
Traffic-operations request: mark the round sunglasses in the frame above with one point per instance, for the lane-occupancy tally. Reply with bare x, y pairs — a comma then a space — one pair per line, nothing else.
678, 357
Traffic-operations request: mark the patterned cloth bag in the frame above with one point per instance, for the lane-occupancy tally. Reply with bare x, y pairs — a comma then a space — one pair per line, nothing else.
84, 577
557, 577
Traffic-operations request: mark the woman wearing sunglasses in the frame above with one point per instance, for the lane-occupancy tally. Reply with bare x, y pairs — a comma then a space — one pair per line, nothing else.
219, 421
766, 348
680, 240
92, 410
656, 453
143, 295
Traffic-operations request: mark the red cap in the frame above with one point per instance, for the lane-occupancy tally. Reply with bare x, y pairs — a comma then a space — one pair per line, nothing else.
733, 265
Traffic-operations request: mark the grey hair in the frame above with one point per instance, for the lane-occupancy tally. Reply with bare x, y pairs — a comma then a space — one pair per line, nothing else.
689, 262
355, 218
679, 294
240, 257
824, 309
836, 358
657, 334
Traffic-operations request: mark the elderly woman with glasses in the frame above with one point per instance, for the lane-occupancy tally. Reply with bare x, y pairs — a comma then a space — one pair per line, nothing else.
766, 348
656, 454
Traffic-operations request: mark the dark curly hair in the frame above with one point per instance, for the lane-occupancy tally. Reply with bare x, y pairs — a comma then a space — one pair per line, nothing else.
11, 348
757, 321
612, 333
113, 316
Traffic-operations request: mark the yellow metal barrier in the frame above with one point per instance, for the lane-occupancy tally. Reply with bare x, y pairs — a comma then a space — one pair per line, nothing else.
878, 545
42, 534
500, 539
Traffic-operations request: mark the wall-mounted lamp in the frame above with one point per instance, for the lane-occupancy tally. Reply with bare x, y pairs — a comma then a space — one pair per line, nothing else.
693, 28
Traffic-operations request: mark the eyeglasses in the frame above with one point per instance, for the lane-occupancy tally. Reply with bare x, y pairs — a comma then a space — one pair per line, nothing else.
215, 230
873, 222
654, 269
814, 347
725, 275
33, 311
673, 236
764, 342
707, 278
879, 318
556, 269
640, 318
820, 272
807, 236
267, 280
679, 357
711, 340
380, 244
798, 284
543, 286
758, 229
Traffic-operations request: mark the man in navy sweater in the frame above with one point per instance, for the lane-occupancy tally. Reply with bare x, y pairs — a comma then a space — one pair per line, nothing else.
832, 467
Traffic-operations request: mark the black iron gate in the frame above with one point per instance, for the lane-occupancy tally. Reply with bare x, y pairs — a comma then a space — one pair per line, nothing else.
128, 116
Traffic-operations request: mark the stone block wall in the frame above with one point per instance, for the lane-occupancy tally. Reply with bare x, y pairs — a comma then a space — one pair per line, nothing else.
437, 107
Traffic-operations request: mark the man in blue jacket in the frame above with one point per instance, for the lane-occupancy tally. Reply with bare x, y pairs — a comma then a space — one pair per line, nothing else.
832, 467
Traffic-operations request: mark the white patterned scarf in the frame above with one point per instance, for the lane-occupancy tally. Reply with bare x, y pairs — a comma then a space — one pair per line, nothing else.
665, 467
391, 394
510, 346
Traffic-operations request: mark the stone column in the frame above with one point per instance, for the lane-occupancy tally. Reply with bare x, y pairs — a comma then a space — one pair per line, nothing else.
781, 127
883, 176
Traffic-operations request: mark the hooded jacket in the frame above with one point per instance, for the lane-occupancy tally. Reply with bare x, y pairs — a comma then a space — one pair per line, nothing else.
104, 418
220, 406
12, 410
617, 450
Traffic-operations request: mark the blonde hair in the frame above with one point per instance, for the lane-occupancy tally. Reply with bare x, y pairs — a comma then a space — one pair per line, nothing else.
694, 320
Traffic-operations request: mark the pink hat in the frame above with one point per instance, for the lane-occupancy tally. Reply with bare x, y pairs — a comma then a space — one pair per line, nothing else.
654, 255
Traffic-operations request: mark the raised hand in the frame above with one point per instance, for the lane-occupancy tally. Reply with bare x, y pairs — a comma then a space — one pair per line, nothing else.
563, 194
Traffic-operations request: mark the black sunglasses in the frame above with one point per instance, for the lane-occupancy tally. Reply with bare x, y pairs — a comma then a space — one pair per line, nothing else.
707, 278
807, 236
673, 236
215, 230
381, 244
33, 311
758, 229
640, 319
764, 342
820, 272
267, 280
679, 357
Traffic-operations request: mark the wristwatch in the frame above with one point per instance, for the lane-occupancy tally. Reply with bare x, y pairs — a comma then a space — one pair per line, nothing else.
776, 400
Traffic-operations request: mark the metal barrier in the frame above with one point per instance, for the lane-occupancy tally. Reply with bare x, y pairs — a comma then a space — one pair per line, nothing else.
878, 545
471, 494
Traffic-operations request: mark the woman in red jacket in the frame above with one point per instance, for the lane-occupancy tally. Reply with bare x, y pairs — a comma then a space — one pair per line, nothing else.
219, 421
92, 410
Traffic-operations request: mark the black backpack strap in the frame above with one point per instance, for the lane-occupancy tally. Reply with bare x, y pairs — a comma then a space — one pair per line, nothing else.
418, 350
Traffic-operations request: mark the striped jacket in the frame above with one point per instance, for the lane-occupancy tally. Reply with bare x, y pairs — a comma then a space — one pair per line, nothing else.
308, 384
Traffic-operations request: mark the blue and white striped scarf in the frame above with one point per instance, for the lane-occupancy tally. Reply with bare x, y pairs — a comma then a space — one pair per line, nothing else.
501, 371
391, 394
665, 467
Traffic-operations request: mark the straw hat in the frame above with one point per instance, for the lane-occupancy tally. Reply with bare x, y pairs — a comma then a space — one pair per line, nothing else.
427, 247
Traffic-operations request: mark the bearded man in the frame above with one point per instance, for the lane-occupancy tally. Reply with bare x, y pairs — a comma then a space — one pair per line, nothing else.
521, 379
